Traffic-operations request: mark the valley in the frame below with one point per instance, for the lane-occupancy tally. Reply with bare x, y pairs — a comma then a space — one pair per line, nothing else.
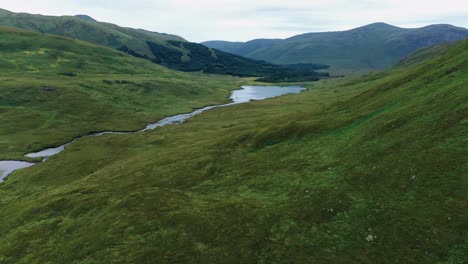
244, 95
63, 88
125, 145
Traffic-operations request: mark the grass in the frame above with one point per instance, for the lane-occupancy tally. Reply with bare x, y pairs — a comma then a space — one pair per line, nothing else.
365, 170
53, 89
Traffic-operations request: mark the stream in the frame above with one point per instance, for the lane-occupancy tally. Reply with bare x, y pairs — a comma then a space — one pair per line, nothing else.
244, 95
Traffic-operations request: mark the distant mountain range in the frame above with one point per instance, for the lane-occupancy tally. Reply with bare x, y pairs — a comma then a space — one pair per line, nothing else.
372, 47
165, 49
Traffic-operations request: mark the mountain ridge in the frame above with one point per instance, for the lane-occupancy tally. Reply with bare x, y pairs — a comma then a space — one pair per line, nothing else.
371, 47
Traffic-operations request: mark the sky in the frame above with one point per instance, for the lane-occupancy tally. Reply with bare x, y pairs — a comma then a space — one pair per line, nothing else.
242, 20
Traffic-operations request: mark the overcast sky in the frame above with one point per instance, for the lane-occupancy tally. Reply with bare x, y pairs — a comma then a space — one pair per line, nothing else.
240, 20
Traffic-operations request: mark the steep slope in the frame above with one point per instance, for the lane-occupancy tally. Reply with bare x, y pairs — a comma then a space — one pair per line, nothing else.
372, 47
426, 54
53, 89
168, 50
366, 170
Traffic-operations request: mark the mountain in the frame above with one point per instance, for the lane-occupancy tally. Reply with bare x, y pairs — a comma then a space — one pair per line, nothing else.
53, 89
372, 47
89, 30
164, 49
363, 170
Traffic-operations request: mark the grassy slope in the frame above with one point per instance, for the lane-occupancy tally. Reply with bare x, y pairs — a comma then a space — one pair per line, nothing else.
426, 54
61, 88
298, 179
375, 46
100, 33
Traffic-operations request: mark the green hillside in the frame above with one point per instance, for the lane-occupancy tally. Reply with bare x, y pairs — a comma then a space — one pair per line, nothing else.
164, 49
372, 47
53, 89
365, 170
89, 30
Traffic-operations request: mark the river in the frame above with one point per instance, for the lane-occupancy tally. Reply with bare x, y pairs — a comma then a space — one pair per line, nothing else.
244, 95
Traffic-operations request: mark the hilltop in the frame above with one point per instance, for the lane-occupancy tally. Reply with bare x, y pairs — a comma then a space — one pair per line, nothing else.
86, 17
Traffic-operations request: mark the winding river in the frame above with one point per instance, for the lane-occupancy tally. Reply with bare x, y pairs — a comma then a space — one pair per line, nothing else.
246, 94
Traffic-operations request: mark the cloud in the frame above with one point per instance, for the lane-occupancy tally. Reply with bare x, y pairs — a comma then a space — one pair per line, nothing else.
243, 20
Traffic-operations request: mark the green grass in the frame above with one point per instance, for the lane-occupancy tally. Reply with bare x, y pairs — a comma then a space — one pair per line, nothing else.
297, 179
53, 89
